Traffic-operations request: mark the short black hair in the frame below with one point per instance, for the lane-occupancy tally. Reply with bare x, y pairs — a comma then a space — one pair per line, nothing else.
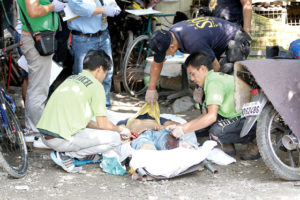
197, 59
95, 59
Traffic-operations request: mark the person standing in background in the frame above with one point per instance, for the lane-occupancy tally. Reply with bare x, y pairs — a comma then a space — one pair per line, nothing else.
237, 11
40, 18
89, 32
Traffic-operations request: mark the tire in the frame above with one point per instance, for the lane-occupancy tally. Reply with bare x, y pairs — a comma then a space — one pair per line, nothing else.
13, 149
126, 44
270, 129
3, 74
134, 65
16, 73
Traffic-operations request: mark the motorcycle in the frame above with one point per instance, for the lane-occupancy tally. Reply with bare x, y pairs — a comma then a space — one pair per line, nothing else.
268, 94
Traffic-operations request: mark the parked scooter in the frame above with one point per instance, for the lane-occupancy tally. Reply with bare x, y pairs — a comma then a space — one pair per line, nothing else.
268, 93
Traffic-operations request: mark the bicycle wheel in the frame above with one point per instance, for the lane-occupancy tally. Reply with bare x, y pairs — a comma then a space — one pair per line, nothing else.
13, 150
134, 65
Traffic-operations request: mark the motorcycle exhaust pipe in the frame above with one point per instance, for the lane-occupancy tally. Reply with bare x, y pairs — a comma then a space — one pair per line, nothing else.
290, 142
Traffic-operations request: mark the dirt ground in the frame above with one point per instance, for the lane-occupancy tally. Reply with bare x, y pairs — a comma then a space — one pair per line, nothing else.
245, 180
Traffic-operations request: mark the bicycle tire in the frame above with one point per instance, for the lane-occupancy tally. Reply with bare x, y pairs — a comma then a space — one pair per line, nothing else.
16, 72
134, 65
13, 149
126, 44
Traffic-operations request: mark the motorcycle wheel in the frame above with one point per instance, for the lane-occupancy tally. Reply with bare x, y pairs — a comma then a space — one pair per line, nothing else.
270, 130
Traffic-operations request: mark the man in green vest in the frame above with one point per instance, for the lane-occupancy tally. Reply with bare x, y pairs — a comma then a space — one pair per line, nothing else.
66, 124
219, 117
42, 16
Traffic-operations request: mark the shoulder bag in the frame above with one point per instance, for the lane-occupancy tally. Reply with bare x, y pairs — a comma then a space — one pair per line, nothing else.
44, 41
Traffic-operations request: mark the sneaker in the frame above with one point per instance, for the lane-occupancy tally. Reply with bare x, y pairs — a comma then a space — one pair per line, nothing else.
64, 161
39, 144
95, 158
252, 151
228, 148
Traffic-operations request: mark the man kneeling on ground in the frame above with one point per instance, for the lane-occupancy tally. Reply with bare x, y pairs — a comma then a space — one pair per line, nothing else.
66, 124
219, 116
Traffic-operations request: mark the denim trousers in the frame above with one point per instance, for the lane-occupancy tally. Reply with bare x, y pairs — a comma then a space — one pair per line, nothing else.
228, 130
158, 139
81, 45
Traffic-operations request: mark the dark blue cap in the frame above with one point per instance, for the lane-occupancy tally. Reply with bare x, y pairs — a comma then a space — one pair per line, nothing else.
159, 43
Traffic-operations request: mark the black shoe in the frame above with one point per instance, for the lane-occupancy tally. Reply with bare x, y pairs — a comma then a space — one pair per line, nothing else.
252, 152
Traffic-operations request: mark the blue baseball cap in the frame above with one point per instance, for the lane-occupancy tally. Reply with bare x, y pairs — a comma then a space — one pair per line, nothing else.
159, 43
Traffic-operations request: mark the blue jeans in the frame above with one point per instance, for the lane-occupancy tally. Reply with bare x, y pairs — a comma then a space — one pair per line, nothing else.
81, 45
158, 139
228, 130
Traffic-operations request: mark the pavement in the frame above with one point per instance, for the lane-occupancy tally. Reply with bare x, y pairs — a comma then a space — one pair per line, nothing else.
244, 180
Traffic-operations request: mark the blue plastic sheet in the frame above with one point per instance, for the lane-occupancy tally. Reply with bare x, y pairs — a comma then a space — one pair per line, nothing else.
112, 166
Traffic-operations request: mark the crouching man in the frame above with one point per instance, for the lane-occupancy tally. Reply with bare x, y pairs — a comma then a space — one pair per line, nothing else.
66, 124
219, 117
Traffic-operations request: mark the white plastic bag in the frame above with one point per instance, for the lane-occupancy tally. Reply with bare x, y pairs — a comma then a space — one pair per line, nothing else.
220, 157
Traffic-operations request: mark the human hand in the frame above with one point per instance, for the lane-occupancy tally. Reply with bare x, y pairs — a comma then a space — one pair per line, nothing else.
177, 132
125, 133
112, 11
171, 127
197, 95
118, 10
151, 97
58, 5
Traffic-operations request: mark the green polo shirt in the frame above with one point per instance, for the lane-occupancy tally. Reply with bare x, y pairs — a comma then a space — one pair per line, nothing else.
43, 23
72, 106
219, 90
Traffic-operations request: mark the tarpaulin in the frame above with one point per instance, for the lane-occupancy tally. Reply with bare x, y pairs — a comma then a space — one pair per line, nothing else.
280, 81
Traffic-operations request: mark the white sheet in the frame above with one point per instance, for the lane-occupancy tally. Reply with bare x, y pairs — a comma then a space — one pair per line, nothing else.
170, 163
181, 158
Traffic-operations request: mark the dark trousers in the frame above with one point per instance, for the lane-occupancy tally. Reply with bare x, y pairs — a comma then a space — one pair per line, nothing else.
228, 130
237, 50
62, 37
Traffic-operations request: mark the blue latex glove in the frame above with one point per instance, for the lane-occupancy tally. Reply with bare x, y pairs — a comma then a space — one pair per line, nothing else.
112, 11
58, 5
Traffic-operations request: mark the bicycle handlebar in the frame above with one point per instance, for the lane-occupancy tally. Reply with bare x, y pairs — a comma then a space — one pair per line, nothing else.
9, 48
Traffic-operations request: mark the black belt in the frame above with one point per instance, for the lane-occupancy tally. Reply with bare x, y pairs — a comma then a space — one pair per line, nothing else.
87, 34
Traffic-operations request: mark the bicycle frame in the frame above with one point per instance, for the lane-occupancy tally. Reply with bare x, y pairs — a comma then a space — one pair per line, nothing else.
2, 106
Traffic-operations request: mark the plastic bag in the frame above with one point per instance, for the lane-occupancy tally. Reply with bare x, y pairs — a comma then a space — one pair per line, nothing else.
112, 166
220, 157
155, 113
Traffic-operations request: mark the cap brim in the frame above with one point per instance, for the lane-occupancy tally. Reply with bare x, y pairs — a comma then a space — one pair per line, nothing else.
159, 57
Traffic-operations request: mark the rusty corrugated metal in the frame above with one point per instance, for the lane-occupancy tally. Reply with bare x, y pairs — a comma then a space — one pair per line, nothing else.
280, 80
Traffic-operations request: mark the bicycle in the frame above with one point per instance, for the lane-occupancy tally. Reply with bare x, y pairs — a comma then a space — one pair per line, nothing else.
13, 149
10, 73
135, 61
123, 28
